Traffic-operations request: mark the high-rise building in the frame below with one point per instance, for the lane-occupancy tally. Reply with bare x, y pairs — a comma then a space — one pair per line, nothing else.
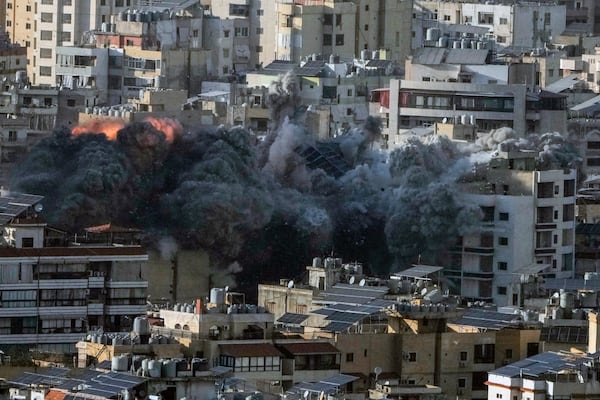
528, 228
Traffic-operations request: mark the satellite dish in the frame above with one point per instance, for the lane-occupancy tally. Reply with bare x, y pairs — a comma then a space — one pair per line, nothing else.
227, 288
306, 394
352, 279
291, 285
377, 371
362, 282
38, 207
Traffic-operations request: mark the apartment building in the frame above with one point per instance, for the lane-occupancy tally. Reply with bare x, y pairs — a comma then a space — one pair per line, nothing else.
52, 292
408, 104
518, 24
498, 264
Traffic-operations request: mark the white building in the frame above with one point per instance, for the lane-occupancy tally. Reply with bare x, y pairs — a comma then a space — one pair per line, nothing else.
52, 294
520, 24
527, 228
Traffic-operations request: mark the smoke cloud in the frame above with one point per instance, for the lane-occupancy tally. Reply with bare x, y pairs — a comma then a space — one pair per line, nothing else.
257, 206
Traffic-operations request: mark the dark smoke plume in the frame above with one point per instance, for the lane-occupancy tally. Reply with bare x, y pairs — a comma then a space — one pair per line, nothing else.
258, 202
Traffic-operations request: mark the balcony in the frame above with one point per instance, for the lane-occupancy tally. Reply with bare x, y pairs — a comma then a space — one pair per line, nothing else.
479, 250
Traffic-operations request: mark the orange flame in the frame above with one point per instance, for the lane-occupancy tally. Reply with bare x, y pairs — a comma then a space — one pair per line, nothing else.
110, 126
170, 127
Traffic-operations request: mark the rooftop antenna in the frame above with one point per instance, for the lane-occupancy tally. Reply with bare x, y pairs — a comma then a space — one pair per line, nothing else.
291, 285
362, 282
352, 279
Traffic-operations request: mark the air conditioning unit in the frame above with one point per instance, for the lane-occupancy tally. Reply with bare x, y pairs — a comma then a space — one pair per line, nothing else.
462, 364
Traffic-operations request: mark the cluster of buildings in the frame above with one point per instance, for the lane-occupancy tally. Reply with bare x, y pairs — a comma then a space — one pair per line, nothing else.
515, 310
512, 314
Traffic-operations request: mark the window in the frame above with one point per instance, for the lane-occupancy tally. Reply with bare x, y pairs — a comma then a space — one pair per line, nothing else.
226, 33
502, 265
65, 36
366, 27
28, 8
545, 190
66, 18
240, 10
8, 23
446, 18
327, 19
259, 31
46, 17
502, 290
463, 356
338, 19
259, 49
547, 18
45, 53
45, 71
484, 353
503, 21
488, 214
9, 6
461, 382
349, 357
503, 216
412, 356
501, 39
366, 7
27, 25
45, 35
241, 31
339, 40
47, 2
71, 102
568, 212
260, 12
503, 241
329, 92
569, 188
27, 242
327, 41
225, 53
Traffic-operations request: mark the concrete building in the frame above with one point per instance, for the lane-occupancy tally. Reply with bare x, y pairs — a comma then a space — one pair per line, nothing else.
408, 104
52, 293
510, 251
551, 374
518, 24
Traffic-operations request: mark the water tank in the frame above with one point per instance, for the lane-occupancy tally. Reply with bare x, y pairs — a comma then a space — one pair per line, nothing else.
557, 313
329, 263
376, 55
578, 314
154, 368
145, 362
472, 119
129, 16
217, 296
163, 340
122, 16
463, 119
119, 363
456, 44
591, 276
365, 54
442, 42
317, 263
567, 300
432, 34
465, 43
169, 369
103, 27
141, 326
135, 16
